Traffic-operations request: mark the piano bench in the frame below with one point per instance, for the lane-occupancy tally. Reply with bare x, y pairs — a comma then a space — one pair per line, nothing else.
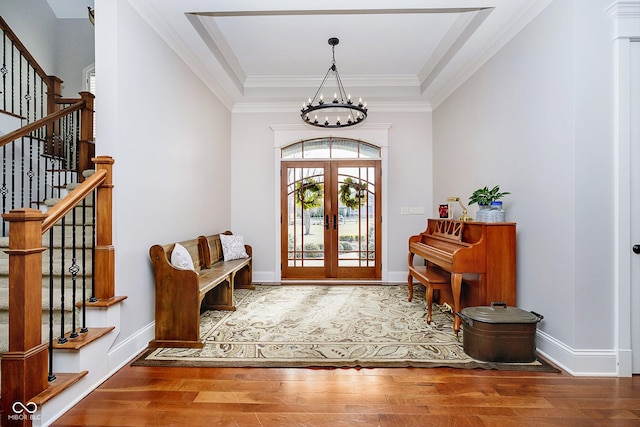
432, 278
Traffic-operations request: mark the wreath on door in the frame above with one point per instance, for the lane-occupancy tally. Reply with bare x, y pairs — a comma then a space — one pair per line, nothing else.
352, 194
309, 193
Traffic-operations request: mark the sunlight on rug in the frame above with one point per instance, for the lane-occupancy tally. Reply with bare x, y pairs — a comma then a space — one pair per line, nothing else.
327, 326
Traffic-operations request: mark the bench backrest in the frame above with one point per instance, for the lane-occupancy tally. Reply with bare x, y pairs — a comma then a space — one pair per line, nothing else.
211, 249
204, 251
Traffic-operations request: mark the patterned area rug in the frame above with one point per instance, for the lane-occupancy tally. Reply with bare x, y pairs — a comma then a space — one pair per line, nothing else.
330, 326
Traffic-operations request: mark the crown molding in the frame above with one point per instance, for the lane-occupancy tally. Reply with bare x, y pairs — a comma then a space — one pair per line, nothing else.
402, 80
626, 15
171, 37
294, 107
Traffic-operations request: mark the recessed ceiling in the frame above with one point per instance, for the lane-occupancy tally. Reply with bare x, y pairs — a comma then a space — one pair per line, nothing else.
402, 54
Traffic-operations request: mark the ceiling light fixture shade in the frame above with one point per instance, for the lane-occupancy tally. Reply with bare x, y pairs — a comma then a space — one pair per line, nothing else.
339, 112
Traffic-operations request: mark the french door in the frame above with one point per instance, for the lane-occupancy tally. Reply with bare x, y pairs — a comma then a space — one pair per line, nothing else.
330, 219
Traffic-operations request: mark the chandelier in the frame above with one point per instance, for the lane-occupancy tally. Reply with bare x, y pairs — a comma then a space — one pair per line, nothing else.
339, 112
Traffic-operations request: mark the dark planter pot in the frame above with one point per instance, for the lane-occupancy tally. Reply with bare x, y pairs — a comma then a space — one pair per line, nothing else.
499, 333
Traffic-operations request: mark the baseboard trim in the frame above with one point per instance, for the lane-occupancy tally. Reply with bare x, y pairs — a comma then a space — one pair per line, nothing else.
599, 363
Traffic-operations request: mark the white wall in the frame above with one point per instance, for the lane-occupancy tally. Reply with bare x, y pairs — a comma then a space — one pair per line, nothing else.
170, 139
253, 187
537, 120
75, 52
410, 174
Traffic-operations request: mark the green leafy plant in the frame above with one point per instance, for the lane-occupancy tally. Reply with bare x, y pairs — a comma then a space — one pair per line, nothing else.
484, 196
353, 194
309, 195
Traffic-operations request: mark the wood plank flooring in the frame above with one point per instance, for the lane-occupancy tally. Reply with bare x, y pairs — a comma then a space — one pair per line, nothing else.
152, 396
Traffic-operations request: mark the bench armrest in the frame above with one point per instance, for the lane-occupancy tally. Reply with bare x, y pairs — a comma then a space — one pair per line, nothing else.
168, 276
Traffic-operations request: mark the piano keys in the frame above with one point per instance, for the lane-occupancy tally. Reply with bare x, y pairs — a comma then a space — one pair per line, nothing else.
478, 258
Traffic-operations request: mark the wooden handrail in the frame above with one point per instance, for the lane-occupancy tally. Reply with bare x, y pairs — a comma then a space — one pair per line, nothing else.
70, 201
27, 129
23, 50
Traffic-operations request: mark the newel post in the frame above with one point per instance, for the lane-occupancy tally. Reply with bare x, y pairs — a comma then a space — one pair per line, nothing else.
104, 273
86, 147
24, 366
54, 92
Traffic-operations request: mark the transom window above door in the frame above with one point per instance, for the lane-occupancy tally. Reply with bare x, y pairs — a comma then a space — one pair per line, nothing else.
330, 148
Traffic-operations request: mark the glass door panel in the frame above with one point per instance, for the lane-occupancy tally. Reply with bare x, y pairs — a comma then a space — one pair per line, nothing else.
358, 220
303, 235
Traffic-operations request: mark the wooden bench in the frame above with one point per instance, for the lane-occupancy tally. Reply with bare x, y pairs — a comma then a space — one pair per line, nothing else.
433, 278
183, 294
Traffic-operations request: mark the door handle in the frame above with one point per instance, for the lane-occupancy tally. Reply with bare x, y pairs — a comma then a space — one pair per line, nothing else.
335, 223
326, 222
636, 249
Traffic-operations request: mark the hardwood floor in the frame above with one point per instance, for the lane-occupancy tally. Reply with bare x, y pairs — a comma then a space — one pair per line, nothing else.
152, 396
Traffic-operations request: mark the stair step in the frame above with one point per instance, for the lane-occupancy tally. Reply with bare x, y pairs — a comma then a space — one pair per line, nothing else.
105, 303
62, 382
4, 329
82, 339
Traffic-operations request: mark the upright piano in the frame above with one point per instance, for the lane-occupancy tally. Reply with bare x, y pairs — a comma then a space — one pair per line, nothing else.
479, 258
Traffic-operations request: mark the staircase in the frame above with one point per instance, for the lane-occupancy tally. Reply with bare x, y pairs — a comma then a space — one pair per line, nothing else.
45, 140
56, 272
53, 375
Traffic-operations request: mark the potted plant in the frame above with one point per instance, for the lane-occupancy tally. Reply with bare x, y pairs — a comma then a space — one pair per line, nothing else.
485, 198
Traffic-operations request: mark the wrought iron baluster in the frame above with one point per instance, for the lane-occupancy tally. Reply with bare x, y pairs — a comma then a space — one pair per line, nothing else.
4, 70
27, 96
50, 161
76, 143
58, 137
13, 85
74, 269
31, 173
20, 85
84, 266
51, 376
42, 98
40, 181
93, 248
13, 174
22, 174
4, 190
62, 339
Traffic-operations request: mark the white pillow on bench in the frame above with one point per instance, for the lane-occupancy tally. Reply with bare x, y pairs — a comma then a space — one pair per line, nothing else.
233, 247
180, 258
